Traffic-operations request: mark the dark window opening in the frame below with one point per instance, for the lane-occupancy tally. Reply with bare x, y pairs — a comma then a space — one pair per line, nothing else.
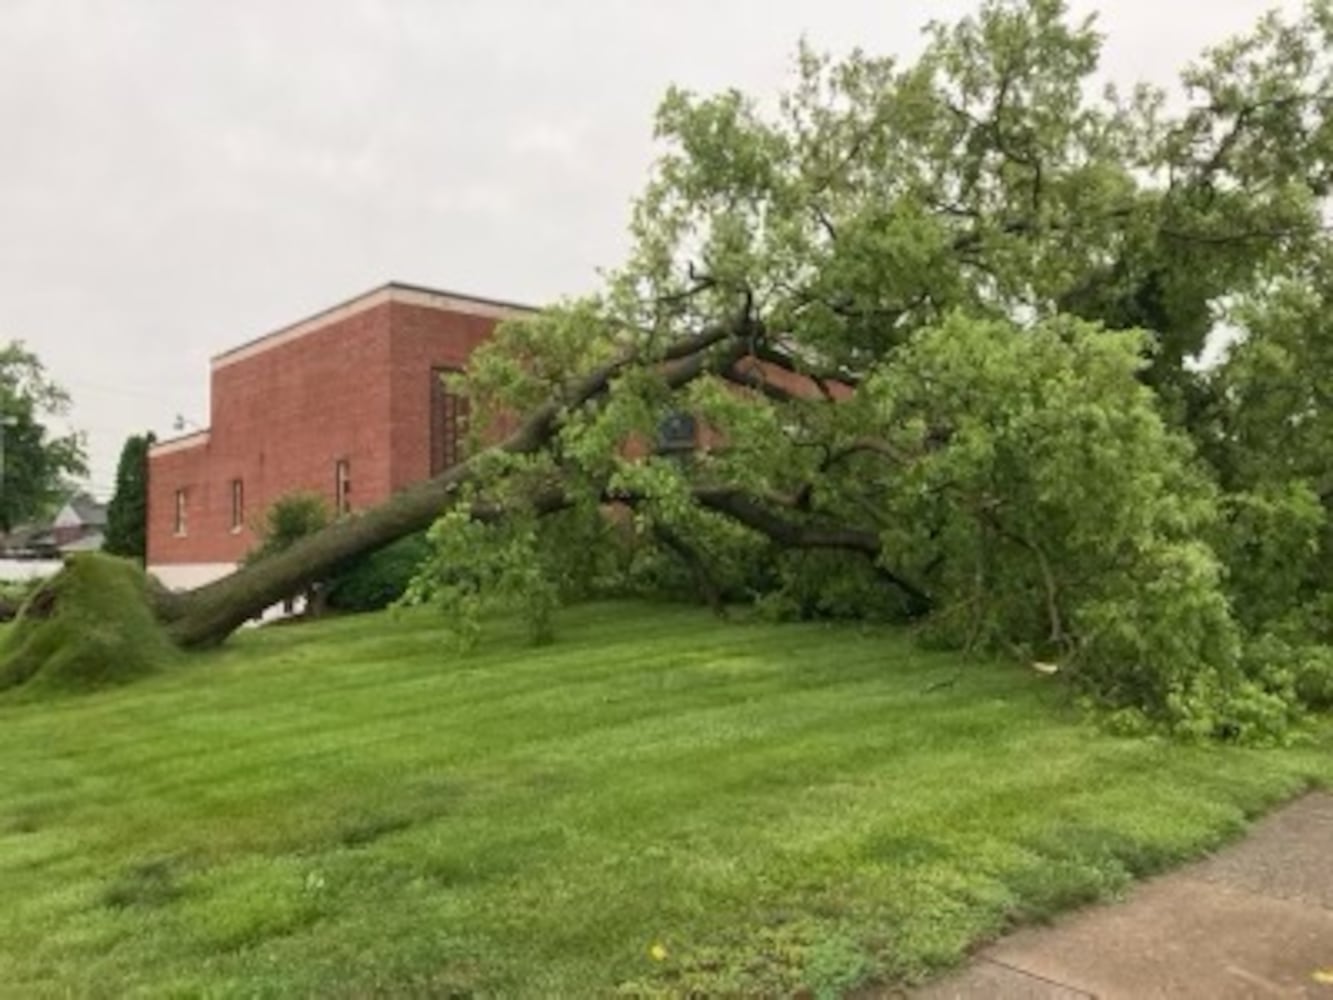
342, 487
449, 412
237, 505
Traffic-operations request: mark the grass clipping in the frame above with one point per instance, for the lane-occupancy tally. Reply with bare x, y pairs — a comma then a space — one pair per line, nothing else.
92, 625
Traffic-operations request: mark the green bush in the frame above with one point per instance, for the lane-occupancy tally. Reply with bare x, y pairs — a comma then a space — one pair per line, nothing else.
289, 519
376, 580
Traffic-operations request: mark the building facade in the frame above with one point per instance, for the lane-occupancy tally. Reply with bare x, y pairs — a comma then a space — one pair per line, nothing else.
348, 404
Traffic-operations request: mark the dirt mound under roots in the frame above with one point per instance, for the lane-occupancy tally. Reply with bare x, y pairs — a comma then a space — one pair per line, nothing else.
89, 626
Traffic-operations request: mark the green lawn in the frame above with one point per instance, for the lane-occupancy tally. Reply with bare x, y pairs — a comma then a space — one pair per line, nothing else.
347, 809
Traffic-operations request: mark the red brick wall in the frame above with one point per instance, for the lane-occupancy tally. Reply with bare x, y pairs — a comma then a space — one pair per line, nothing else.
358, 388
282, 418
285, 411
423, 339
186, 469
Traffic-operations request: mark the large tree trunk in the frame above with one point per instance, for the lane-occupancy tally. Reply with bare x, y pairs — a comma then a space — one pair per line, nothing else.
210, 613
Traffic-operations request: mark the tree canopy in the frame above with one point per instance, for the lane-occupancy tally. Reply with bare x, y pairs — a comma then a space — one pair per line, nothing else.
970, 295
127, 514
37, 464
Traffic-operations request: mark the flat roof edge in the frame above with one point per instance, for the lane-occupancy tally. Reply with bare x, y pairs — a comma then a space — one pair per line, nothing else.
393, 291
194, 439
486, 300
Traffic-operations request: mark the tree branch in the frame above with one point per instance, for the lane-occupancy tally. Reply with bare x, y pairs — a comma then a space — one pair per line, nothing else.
698, 567
753, 514
210, 613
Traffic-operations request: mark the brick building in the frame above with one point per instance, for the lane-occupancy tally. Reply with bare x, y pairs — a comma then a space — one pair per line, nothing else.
347, 403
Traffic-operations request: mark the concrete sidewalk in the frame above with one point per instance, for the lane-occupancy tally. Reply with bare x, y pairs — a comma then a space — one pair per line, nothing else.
1254, 920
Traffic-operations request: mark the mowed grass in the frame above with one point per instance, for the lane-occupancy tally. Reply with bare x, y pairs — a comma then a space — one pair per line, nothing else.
657, 803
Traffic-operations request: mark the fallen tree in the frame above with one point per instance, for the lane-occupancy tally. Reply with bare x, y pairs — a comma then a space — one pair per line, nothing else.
938, 323
209, 614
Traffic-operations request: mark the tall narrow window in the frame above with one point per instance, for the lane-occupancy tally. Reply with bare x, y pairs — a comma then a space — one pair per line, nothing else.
448, 423
180, 513
342, 487
237, 505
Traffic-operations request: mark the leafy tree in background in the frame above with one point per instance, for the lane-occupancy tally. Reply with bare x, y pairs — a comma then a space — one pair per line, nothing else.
127, 514
37, 465
287, 520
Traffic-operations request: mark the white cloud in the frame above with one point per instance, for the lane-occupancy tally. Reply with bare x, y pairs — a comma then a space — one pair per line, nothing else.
562, 143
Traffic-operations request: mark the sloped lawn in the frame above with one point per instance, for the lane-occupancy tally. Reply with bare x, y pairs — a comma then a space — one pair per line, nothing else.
659, 802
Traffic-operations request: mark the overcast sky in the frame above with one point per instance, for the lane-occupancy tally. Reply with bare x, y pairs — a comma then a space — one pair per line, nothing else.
178, 176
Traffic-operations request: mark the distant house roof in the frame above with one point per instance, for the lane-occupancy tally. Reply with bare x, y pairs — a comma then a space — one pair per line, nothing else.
394, 291
81, 511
